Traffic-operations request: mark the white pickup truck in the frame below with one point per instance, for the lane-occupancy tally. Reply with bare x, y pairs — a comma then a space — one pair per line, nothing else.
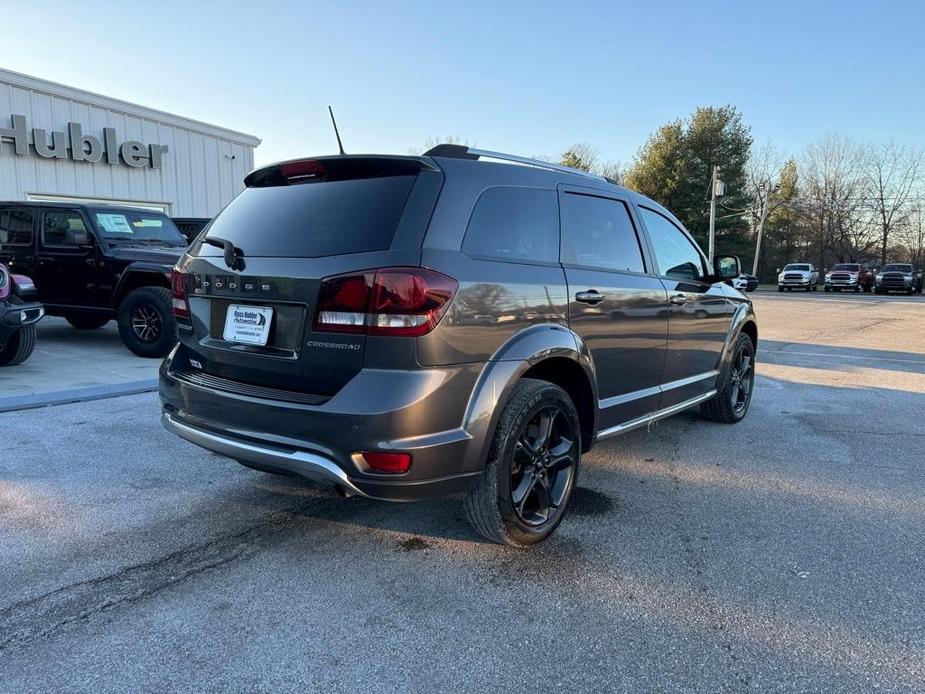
798, 276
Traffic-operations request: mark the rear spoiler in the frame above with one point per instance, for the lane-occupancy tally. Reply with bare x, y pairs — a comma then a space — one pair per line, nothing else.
335, 168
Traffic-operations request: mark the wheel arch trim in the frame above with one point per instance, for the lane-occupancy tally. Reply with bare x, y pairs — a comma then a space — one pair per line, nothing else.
506, 367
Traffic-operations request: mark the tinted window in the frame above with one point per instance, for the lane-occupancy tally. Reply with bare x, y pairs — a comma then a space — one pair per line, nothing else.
676, 255
897, 267
314, 219
598, 233
514, 224
63, 228
16, 227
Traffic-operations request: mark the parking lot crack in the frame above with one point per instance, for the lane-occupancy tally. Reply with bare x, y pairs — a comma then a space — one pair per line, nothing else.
40, 617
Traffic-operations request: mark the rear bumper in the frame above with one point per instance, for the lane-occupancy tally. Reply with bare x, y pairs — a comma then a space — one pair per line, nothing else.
13, 317
415, 412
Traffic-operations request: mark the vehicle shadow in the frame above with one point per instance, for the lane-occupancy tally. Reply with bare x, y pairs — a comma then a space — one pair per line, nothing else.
836, 358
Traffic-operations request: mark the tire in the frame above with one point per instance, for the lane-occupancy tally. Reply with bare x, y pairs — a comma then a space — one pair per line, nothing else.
734, 394
780, 289
512, 471
828, 289
815, 287
857, 290
19, 346
146, 322
86, 322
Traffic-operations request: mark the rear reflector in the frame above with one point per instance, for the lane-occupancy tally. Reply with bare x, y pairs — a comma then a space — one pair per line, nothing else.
390, 301
178, 294
393, 463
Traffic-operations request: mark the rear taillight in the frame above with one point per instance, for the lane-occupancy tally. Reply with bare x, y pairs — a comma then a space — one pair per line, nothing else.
178, 294
391, 301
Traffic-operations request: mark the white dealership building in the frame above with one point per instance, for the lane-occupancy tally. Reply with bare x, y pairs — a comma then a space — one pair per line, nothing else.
65, 144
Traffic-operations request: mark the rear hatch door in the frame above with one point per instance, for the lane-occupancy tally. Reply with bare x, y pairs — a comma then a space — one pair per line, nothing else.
291, 227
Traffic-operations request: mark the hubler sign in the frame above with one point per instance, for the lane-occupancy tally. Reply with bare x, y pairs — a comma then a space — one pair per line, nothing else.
79, 147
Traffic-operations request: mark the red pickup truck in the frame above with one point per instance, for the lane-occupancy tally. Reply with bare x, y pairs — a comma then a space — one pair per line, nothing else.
851, 276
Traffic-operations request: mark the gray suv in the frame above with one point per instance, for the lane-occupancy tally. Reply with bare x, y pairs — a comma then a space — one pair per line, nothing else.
459, 323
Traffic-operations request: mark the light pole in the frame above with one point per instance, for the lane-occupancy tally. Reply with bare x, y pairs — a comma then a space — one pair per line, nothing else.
717, 189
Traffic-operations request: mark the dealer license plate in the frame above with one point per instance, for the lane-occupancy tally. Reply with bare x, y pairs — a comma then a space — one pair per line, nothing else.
248, 324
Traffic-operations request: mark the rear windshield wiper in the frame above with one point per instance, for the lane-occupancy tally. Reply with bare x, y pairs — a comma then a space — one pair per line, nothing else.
234, 256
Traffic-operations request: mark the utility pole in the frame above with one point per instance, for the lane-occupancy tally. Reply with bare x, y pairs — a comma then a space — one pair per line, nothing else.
717, 188
765, 209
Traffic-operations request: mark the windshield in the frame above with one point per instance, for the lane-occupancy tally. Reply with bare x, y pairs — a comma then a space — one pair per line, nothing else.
847, 267
804, 268
138, 227
897, 267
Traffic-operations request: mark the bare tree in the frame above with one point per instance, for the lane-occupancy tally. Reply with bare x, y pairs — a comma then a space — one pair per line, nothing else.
770, 184
581, 155
832, 203
912, 235
432, 142
892, 173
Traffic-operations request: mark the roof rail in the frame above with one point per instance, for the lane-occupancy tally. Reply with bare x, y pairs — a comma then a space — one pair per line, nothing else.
464, 152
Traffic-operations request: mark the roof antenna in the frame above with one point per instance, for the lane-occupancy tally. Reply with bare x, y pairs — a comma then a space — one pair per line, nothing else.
336, 133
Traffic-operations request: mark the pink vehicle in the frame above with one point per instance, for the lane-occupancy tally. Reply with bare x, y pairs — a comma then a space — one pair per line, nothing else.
17, 317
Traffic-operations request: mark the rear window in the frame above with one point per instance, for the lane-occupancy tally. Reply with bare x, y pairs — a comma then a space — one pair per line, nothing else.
313, 219
16, 227
598, 233
515, 224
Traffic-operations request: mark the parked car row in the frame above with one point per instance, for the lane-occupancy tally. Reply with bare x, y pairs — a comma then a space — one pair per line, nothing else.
854, 277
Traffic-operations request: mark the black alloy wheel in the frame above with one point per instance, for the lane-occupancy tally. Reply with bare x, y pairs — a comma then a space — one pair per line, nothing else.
742, 377
146, 323
735, 386
532, 468
545, 459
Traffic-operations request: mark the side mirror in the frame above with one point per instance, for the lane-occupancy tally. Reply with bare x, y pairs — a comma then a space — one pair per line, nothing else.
725, 267
778, 271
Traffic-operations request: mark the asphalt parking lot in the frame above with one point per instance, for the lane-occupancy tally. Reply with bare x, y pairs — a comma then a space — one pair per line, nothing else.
782, 554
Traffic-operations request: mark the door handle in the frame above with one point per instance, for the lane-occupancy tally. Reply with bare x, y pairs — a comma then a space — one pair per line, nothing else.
678, 299
592, 296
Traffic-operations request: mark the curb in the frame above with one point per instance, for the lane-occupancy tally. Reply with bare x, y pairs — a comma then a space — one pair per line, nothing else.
66, 397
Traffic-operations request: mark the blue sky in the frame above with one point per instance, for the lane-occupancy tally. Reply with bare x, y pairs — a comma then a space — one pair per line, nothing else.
529, 77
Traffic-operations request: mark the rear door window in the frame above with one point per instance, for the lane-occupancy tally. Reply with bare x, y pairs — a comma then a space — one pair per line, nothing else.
598, 233
312, 220
16, 226
514, 224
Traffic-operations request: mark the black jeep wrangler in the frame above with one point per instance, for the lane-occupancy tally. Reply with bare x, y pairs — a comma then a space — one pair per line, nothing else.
95, 263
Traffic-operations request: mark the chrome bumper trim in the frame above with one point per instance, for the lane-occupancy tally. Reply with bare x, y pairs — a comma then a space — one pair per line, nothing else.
309, 465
